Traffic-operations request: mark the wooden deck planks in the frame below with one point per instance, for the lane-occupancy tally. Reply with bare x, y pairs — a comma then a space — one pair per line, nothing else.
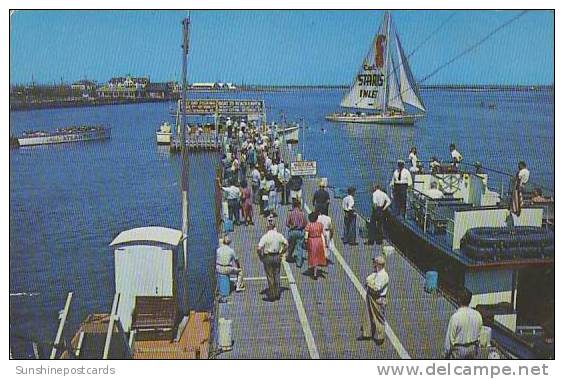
332, 305
419, 319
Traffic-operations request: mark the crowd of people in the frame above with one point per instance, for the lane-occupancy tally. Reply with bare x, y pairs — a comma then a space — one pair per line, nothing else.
254, 172
256, 155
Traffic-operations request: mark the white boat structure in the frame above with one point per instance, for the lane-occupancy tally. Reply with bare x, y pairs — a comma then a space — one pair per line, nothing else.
384, 85
62, 135
290, 134
164, 134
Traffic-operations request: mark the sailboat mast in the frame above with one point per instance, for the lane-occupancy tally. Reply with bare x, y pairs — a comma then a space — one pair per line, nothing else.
185, 163
387, 63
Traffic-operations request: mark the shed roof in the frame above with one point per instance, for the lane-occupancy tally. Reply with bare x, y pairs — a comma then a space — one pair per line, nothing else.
153, 234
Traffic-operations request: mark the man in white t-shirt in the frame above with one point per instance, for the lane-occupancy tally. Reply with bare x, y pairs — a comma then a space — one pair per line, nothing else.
463, 332
523, 176
456, 156
380, 204
349, 217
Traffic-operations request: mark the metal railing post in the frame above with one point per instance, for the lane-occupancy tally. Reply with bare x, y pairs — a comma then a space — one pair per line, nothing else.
425, 218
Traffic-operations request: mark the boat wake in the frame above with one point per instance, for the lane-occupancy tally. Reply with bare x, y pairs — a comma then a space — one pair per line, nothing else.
21, 294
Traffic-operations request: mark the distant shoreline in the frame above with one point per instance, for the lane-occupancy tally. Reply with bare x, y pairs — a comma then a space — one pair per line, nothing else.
54, 104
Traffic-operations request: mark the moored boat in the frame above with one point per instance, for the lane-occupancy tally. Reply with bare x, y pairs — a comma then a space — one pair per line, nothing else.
290, 134
474, 240
164, 134
64, 135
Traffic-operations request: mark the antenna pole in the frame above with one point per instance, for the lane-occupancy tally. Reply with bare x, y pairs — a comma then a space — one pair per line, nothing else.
184, 154
387, 63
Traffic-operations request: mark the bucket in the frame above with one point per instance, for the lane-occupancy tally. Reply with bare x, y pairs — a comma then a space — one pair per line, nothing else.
227, 225
224, 331
224, 285
485, 336
431, 281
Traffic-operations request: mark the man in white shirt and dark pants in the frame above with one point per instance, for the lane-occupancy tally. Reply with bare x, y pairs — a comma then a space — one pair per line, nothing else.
233, 196
271, 247
463, 332
380, 203
401, 180
455, 155
523, 176
373, 324
349, 218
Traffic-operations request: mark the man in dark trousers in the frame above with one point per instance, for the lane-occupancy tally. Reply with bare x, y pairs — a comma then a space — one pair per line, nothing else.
380, 203
321, 198
350, 217
401, 181
271, 247
295, 185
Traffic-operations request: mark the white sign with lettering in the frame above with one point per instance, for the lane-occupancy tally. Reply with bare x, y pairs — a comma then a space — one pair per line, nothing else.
303, 168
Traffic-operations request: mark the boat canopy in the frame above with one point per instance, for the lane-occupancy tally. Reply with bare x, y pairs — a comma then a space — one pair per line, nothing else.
384, 80
154, 234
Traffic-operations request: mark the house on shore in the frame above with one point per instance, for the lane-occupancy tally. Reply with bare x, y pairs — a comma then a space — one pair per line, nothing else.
124, 88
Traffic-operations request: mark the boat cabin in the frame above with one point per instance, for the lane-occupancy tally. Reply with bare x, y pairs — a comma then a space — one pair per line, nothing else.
456, 225
149, 276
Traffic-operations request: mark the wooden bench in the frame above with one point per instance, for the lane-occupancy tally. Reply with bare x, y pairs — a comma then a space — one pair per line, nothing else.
154, 317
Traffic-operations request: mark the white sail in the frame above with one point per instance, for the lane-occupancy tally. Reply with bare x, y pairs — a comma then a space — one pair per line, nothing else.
408, 90
367, 90
394, 96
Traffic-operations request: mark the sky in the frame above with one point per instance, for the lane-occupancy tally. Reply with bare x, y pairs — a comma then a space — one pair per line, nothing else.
275, 47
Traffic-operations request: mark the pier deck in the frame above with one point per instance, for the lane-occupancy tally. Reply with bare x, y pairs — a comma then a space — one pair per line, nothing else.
321, 319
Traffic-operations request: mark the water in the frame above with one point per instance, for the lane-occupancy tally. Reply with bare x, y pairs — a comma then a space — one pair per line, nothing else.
67, 202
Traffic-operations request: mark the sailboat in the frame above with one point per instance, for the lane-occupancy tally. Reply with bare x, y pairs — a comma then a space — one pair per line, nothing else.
384, 84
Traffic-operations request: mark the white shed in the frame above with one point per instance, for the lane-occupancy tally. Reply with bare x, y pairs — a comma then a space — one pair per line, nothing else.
148, 262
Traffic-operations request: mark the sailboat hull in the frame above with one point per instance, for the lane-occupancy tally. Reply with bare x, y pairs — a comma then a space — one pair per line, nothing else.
400, 119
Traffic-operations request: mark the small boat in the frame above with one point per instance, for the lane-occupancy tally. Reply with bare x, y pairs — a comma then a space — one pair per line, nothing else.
164, 134
290, 134
384, 84
64, 135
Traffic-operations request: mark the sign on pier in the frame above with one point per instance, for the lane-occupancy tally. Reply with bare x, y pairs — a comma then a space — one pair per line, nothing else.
224, 107
303, 168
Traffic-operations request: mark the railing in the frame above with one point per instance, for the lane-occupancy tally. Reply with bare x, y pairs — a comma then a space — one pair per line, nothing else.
424, 210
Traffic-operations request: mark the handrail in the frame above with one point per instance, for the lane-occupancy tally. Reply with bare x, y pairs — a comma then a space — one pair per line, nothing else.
109, 333
60, 330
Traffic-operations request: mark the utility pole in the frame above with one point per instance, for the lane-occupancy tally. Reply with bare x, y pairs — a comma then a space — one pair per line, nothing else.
184, 155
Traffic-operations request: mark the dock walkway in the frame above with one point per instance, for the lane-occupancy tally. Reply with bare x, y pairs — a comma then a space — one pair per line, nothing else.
321, 319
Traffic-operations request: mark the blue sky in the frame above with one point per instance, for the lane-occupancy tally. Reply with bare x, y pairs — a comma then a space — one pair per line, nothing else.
274, 47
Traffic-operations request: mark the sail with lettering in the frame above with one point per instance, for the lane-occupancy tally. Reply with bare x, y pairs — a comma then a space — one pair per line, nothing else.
366, 90
384, 84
